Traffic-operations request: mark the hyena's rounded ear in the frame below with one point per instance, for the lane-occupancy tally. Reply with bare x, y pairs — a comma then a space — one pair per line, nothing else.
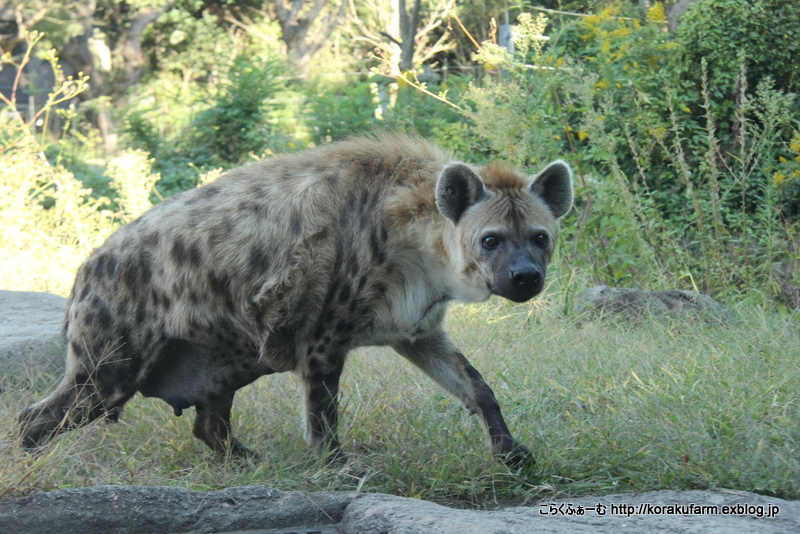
554, 186
457, 189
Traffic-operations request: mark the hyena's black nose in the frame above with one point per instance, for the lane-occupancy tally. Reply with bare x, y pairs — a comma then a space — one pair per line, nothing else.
525, 280
526, 276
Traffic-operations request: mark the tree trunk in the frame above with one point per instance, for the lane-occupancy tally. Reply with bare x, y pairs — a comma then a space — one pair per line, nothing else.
295, 27
131, 42
676, 12
408, 32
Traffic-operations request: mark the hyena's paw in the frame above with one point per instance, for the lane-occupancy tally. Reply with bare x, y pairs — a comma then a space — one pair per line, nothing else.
37, 426
518, 456
236, 451
336, 458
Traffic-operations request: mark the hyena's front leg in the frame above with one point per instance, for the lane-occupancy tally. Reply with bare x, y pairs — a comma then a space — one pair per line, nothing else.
320, 379
441, 360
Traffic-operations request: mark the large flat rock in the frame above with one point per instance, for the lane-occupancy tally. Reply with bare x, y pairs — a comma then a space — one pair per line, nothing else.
395, 515
157, 510
31, 343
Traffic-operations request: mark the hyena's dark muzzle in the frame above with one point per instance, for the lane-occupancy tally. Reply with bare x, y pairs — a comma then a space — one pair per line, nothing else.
522, 279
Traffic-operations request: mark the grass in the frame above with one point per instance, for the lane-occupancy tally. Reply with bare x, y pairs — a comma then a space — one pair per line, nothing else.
606, 407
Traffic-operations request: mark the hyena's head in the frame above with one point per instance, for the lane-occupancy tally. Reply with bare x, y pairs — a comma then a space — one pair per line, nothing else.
506, 222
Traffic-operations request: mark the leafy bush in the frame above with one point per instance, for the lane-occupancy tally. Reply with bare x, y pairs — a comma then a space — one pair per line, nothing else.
235, 125
765, 32
335, 113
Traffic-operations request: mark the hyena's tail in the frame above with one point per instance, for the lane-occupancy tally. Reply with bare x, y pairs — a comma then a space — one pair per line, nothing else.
82, 396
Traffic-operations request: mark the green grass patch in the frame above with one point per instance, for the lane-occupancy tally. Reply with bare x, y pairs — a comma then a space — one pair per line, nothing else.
605, 407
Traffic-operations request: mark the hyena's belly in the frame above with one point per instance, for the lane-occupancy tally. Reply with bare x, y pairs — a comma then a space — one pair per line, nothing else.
188, 374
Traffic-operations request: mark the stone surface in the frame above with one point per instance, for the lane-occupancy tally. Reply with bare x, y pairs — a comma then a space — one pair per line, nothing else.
156, 510
615, 302
30, 334
386, 514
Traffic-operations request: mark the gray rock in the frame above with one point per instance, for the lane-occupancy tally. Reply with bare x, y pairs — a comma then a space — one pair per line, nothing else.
31, 342
155, 510
612, 302
387, 514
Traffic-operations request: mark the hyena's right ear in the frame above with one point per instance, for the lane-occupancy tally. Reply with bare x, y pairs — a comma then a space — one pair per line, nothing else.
554, 186
457, 189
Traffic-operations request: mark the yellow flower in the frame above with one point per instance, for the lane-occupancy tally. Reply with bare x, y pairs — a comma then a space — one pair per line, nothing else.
778, 179
781, 159
687, 110
602, 84
794, 145
583, 135
656, 13
557, 137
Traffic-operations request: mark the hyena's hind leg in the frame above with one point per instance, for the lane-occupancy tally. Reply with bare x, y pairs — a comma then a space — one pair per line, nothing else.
91, 388
212, 425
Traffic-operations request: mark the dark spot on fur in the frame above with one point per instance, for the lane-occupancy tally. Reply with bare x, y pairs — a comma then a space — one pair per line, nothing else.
178, 251
296, 222
344, 327
151, 239
319, 330
111, 266
141, 314
104, 318
353, 265
337, 262
326, 339
99, 267
258, 259
195, 256
76, 349
377, 251
147, 273
130, 273
84, 292
345, 294
194, 297
82, 378
209, 191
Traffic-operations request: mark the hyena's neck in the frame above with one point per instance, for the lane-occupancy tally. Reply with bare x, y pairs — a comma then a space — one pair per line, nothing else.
436, 238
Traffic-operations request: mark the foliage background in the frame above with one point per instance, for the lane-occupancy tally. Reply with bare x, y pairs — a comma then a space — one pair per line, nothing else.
685, 143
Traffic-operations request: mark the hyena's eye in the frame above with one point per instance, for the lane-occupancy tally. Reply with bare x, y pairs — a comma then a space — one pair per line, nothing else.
491, 241
540, 240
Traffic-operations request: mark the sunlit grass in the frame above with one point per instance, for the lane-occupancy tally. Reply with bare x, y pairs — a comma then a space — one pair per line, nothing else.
606, 407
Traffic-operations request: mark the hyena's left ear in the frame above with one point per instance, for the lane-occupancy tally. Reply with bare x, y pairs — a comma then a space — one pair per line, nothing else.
457, 189
554, 186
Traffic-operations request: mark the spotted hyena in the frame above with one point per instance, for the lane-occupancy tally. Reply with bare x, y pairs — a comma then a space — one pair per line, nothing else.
287, 265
